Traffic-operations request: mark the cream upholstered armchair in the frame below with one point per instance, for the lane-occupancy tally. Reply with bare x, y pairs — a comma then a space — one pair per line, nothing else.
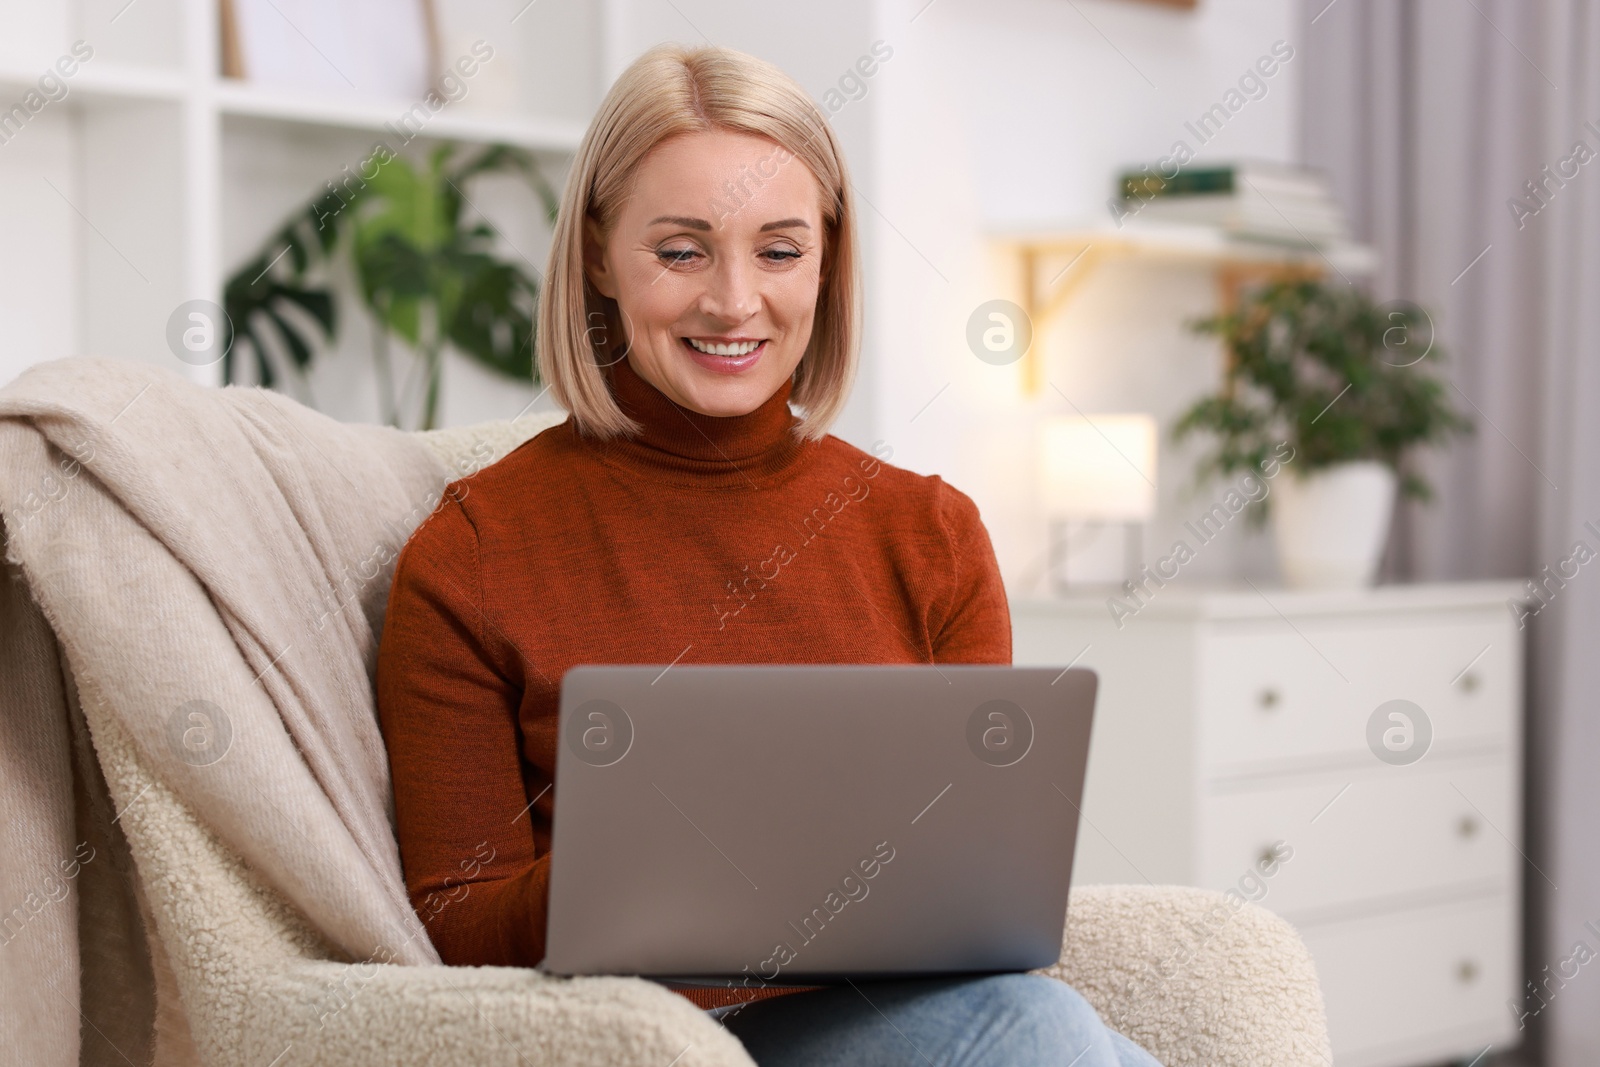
242, 978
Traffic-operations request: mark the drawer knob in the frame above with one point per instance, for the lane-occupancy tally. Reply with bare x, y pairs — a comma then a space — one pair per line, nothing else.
1269, 699
1467, 972
1470, 682
1467, 827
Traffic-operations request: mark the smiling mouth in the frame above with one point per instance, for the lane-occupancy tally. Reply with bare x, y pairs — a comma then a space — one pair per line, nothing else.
731, 349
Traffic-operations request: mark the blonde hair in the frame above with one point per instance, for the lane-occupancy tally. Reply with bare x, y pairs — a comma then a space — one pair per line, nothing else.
667, 91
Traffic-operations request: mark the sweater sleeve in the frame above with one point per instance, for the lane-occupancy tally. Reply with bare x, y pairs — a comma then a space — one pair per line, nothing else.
975, 626
448, 707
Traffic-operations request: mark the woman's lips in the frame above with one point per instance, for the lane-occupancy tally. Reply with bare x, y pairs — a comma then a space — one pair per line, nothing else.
724, 364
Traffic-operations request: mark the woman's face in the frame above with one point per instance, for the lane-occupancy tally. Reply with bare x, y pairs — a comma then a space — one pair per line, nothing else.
715, 261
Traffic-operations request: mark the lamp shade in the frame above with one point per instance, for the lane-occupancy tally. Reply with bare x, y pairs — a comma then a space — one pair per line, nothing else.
1099, 467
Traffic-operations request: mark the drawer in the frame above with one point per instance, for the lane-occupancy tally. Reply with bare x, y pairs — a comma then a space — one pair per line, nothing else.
1275, 692
1418, 986
1393, 834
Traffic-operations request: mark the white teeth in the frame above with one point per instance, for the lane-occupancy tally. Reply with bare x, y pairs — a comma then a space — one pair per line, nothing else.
743, 348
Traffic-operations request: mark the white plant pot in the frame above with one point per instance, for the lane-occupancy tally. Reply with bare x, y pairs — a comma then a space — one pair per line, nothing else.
1331, 526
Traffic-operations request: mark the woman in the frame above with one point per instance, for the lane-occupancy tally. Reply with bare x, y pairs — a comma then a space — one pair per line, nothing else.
703, 276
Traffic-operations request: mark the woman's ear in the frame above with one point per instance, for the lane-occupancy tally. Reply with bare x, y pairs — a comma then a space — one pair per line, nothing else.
595, 267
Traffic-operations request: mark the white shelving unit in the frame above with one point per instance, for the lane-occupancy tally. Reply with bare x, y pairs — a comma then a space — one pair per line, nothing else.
154, 177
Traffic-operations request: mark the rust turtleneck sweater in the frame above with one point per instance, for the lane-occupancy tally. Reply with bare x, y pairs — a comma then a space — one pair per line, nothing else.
702, 540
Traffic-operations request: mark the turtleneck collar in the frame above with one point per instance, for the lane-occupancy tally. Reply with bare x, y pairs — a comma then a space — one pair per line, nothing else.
689, 448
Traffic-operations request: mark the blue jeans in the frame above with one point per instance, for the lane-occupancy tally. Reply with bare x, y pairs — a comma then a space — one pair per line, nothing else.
1005, 1020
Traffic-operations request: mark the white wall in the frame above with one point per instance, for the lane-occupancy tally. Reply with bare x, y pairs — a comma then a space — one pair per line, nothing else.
38, 317
1004, 114
90, 233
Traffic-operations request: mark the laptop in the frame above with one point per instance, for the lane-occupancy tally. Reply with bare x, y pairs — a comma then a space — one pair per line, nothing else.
769, 825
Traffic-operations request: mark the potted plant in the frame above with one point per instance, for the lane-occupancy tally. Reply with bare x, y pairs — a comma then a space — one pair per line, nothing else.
426, 270
1343, 382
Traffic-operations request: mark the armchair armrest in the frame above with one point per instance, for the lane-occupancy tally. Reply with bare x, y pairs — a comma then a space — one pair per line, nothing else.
1195, 977
333, 1014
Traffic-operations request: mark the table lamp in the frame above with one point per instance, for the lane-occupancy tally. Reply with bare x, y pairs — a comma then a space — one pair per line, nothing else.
1098, 489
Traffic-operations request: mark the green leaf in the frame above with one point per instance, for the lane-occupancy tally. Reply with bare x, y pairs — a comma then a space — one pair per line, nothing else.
494, 320
1309, 364
427, 268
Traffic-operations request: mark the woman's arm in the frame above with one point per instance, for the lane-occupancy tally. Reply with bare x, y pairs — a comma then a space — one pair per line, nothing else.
448, 691
974, 625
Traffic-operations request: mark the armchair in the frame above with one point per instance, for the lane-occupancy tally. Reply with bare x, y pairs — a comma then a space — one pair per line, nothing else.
197, 933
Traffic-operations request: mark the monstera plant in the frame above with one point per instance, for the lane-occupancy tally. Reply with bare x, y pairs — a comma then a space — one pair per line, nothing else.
425, 266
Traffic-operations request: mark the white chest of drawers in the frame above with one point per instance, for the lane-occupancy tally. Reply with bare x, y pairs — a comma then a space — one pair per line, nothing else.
1232, 723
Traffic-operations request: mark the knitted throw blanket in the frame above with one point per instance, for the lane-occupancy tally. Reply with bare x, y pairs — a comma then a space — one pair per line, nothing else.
210, 568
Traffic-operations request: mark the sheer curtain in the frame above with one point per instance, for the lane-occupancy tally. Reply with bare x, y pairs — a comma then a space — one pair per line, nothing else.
1435, 120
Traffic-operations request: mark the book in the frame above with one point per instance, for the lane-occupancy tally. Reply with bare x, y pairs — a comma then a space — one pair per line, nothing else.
1145, 184
1251, 199
1148, 181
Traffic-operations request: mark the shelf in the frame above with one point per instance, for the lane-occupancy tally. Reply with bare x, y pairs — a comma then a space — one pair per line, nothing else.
244, 100
101, 82
1191, 244
106, 81
1071, 254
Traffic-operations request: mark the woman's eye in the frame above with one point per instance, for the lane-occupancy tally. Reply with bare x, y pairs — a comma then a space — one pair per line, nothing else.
674, 256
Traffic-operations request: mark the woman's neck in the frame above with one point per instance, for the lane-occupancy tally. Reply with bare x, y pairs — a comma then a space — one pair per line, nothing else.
687, 447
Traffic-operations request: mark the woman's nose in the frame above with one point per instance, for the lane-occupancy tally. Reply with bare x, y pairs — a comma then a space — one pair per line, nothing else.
732, 293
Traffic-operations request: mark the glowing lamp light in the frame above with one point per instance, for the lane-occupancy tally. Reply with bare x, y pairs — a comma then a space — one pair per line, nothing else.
1100, 468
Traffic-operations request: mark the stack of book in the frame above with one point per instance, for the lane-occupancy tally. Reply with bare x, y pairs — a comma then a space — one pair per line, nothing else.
1267, 201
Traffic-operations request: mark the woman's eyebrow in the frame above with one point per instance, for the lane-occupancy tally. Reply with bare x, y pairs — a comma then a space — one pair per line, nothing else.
702, 224
681, 220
